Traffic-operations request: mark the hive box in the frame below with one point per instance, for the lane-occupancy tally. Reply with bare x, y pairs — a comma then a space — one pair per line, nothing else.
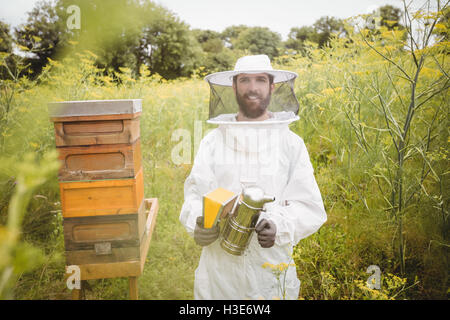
95, 122
86, 233
102, 197
113, 255
109, 161
109, 238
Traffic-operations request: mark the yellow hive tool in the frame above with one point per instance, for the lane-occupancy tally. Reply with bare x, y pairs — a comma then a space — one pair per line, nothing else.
217, 204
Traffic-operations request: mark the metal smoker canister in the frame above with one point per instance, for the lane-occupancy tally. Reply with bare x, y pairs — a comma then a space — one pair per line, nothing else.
240, 225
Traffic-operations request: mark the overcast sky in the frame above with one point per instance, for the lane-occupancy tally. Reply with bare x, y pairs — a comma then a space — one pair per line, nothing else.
277, 15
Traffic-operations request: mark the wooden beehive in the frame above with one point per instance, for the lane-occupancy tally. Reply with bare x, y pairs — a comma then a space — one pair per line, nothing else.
93, 162
81, 123
108, 239
91, 233
107, 222
102, 197
126, 262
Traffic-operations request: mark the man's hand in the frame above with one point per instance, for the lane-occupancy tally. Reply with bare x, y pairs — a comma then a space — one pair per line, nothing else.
204, 236
266, 231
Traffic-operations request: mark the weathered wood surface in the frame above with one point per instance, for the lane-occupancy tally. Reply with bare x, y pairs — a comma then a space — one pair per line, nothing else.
102, 197
132, 268
152, 205
110, 270
124, 230
94, 107
95, 132
103, 117
133, 284
78, 294
96, 162
81, 257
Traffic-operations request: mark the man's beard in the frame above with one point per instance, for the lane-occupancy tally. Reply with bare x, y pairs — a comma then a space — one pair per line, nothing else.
249, 111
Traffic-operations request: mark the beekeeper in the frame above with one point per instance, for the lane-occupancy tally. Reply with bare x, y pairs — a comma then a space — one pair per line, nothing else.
253, 106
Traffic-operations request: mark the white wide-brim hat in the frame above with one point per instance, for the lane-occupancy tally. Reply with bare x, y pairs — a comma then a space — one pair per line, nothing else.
250, 64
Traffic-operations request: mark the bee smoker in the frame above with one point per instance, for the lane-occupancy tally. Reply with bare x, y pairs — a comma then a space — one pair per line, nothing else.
242, 220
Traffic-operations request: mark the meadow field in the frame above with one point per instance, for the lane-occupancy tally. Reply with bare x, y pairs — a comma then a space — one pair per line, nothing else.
373, 115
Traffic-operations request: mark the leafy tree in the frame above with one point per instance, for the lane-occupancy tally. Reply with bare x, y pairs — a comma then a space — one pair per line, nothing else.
298, 36
109, 29
167, 44
324, 27
384, 18
210, 40
203, 36
231, 34
128, 34
390, 16
259, 40
41, 36
221, 61
6, 39
6, 75
132, 33
442, 28
7, 63
215, 56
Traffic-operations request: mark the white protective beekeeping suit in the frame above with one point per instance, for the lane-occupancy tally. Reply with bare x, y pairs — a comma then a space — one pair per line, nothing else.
263, 153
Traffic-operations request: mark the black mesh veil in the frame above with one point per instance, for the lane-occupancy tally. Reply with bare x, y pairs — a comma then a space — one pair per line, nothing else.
223, 100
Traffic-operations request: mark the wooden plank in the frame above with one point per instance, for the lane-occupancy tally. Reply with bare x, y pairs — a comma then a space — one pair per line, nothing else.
142, 220
84, 235
97, 117
78, 294
94, 107
125, 268
102, 197
92, 127
153, 206
117, 231
82, 133
133, 288
125, 230
96, 162
85, 257
110, 270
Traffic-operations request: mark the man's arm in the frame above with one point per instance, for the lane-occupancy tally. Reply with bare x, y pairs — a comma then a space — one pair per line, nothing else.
301, 212
200, 181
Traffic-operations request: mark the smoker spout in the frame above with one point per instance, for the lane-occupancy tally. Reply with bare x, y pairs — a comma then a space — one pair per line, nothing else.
267, 198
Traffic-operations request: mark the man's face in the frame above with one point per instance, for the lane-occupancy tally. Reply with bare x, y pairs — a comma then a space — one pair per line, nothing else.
253, 92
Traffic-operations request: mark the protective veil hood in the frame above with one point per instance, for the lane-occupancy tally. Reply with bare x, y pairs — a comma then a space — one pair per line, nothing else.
223, 106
